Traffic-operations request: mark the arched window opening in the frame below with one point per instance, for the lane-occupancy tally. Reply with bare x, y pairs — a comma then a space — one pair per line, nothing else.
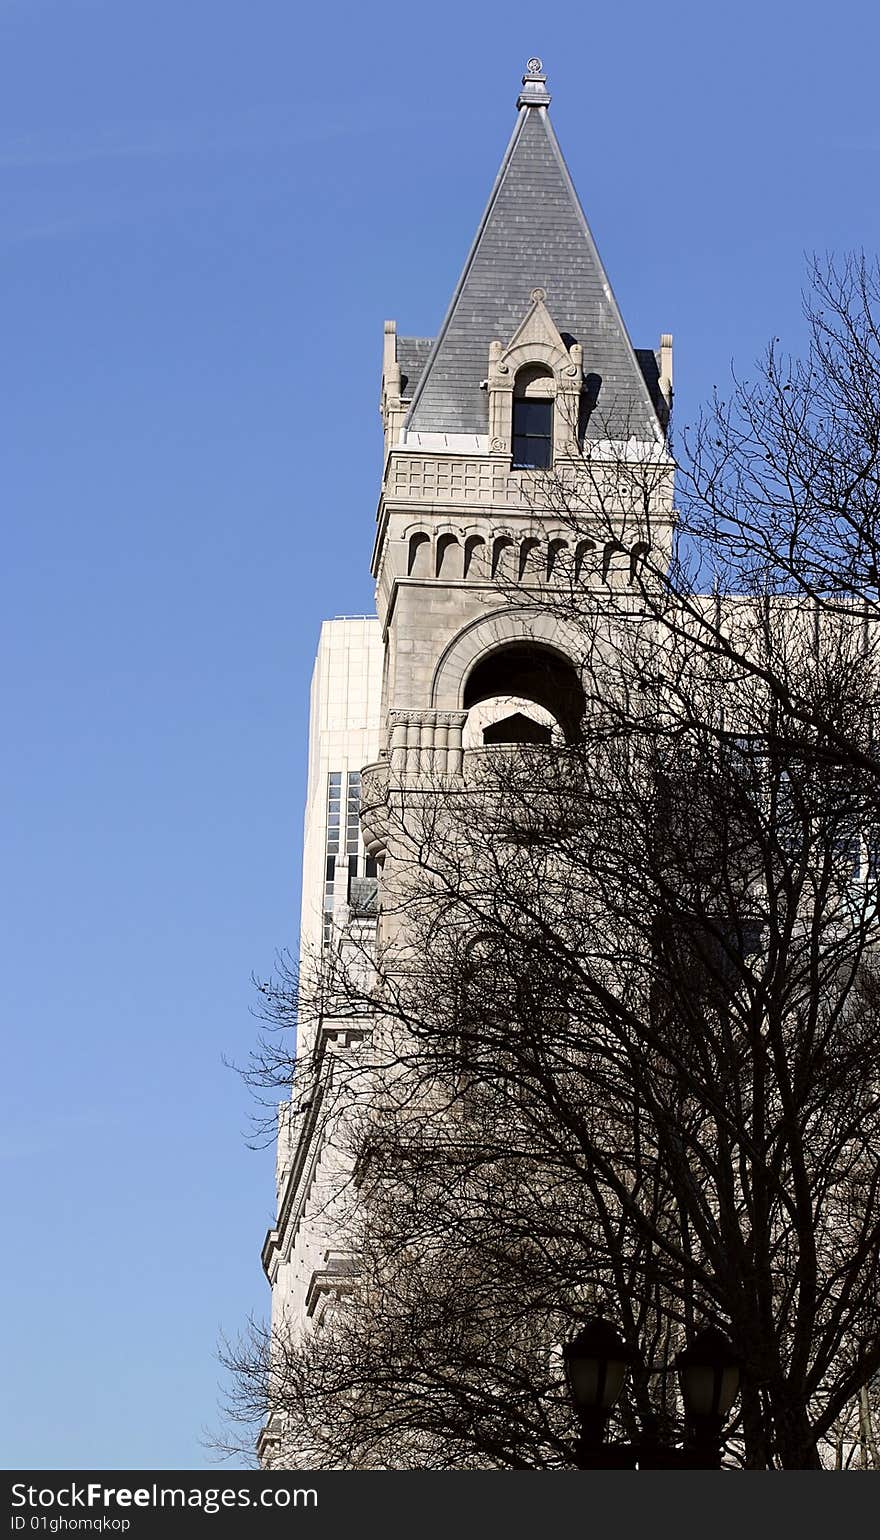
510, 991
533, 419
636, 560
528, 557
474, 554
534, 673
448, 557
484, 993
555, 559
417, 565
502, 546
582, 552
615, 560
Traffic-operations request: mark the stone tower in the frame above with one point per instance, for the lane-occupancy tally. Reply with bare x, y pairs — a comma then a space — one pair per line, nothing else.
531, 363
531, 374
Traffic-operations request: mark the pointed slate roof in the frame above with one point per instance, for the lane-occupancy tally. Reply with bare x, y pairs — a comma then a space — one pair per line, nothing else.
533, 234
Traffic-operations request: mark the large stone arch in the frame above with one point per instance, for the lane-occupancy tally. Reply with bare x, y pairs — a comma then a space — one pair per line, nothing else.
486, 635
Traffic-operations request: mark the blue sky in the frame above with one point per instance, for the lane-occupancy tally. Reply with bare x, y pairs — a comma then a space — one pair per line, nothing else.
209, 209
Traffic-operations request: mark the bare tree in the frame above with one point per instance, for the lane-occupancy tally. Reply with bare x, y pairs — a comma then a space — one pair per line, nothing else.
619, 1042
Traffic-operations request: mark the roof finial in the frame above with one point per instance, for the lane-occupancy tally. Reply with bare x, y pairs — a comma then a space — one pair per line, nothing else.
534, 92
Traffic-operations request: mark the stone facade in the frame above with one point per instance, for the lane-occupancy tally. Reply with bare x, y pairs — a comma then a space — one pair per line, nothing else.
466, 532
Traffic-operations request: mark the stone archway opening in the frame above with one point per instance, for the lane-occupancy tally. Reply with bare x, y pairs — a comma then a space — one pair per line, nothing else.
530, 673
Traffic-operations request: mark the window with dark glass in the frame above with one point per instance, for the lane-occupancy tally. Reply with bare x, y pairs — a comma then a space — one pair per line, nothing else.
532, 433
331, 851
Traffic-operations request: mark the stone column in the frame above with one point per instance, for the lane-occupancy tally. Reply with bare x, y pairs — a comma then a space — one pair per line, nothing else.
397, 737
455, 721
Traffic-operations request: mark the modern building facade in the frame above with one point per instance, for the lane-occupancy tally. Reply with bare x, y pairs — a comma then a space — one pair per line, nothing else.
531, 368
338, 889
343, 736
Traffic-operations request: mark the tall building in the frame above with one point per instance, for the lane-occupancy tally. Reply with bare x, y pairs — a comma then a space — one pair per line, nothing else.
531, 366
338, 890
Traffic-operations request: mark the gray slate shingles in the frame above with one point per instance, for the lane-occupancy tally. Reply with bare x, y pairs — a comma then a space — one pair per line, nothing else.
534, 235
412, 355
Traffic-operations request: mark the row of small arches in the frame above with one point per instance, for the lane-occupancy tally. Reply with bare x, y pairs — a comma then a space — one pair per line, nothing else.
503, 556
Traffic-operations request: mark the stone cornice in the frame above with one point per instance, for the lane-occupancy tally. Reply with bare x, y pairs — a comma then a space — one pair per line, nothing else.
306, 1146
309, 1145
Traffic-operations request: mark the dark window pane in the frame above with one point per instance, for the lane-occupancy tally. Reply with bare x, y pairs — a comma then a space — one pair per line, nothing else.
532, 433
533, 417
532, 453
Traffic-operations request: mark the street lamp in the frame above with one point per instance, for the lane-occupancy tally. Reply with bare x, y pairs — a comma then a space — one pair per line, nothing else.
596, 1364
709, 1376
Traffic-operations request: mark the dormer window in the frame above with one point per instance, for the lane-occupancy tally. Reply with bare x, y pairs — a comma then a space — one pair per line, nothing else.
533, 419
534, 386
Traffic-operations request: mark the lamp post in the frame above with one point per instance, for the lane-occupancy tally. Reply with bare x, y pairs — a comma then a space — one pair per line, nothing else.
596, 1365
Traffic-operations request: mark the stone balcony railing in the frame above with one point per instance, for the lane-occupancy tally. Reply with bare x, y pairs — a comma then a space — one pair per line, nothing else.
427, 759
426, 743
